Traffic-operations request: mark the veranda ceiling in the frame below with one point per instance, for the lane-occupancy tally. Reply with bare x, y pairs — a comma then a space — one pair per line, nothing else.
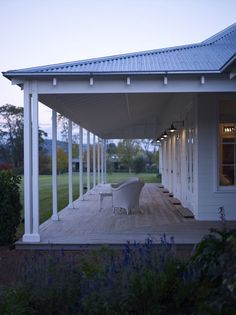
113, 116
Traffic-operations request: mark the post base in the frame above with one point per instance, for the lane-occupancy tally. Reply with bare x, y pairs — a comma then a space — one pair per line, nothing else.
31, 238
55, 217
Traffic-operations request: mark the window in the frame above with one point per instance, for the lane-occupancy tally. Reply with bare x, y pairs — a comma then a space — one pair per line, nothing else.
227, 144
227, 153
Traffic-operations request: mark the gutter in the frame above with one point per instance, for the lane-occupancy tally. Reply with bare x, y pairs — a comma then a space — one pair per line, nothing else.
9, 74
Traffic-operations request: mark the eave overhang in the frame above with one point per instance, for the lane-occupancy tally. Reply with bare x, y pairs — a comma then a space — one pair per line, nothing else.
9, 75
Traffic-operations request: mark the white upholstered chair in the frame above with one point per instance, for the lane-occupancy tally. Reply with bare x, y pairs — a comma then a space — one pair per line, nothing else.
126, 196
128, 180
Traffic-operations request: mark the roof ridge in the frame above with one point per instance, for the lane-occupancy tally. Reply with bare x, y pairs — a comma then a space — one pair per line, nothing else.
221, 34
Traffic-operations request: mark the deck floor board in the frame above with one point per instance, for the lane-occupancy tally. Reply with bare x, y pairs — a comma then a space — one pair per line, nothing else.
87, 224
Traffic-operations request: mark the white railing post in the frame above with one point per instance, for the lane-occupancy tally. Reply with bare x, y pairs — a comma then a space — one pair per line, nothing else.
81, 163
94, 161
70, 174
54, 166
88, 160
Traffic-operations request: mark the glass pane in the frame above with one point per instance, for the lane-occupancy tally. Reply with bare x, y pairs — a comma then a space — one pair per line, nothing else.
227, 175
227, 154
227, 162
228, 140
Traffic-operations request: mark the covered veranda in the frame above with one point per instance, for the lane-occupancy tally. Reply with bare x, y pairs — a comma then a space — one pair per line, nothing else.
115, 108
135, 96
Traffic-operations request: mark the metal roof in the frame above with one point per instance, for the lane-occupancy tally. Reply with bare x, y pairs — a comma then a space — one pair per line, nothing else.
211, 55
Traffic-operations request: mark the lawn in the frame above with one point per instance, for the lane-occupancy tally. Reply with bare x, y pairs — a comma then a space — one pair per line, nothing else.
45, 189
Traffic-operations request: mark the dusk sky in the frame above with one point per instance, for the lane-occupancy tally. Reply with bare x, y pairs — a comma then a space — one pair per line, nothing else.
42, 32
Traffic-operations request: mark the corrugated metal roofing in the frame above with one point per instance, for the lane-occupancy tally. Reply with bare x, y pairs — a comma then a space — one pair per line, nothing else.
210, 55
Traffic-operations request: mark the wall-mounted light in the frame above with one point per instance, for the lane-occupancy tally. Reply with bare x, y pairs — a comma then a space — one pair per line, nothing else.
165, 135
158, 140
172, 128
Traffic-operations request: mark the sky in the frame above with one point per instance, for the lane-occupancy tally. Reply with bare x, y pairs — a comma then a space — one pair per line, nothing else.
42, 32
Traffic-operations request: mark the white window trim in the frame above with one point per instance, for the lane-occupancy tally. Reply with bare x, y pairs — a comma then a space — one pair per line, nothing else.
217, 187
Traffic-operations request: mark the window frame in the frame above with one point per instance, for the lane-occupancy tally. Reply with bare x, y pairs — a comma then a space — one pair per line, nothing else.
221, 188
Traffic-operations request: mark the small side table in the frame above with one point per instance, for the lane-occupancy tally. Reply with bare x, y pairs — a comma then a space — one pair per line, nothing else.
102, 195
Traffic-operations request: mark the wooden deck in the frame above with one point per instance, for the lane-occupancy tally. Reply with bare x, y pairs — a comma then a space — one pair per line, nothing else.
87, 224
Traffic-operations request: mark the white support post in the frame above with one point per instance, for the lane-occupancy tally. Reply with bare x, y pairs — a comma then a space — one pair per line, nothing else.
105, 161
94, 161
160, 159
98, 161
35, 164
102, 162
27, 165
54, 166
81, 163
88, 161
70, 174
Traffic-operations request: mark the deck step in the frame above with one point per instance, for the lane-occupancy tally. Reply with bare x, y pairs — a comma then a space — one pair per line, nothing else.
175, 201
165, 191
171, 195
185, 212
160, 186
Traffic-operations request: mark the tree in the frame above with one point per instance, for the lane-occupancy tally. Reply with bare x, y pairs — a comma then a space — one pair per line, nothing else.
62, 161
139, 163
111, 148
145, 144
12, 135
126, 150
63, 124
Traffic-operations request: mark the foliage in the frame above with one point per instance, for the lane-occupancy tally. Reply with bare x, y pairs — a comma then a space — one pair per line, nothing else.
63, 123
15, 301
12, 136
213, 266
111, 148
10, 206
139, 163
6, 166
62, 161
45, 164
139, 279
127, 149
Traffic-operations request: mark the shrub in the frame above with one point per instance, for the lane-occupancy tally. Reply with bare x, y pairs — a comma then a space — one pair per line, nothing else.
213, 268
6, 166
10, 207
139, 163
140, 279
16, 301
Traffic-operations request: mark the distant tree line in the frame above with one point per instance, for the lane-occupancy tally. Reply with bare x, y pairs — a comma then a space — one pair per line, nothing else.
133, 156
126, 155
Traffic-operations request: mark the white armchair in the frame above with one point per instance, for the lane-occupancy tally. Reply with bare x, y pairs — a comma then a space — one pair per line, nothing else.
129, 180
126, 196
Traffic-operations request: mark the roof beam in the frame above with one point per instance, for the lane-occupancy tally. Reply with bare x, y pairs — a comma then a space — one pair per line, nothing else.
91, 81
232, 74
141, 84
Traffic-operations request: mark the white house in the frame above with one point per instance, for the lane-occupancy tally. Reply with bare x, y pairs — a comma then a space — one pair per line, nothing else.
142, 95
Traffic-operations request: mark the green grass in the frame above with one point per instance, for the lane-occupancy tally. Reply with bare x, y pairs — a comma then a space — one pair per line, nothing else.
45, 189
